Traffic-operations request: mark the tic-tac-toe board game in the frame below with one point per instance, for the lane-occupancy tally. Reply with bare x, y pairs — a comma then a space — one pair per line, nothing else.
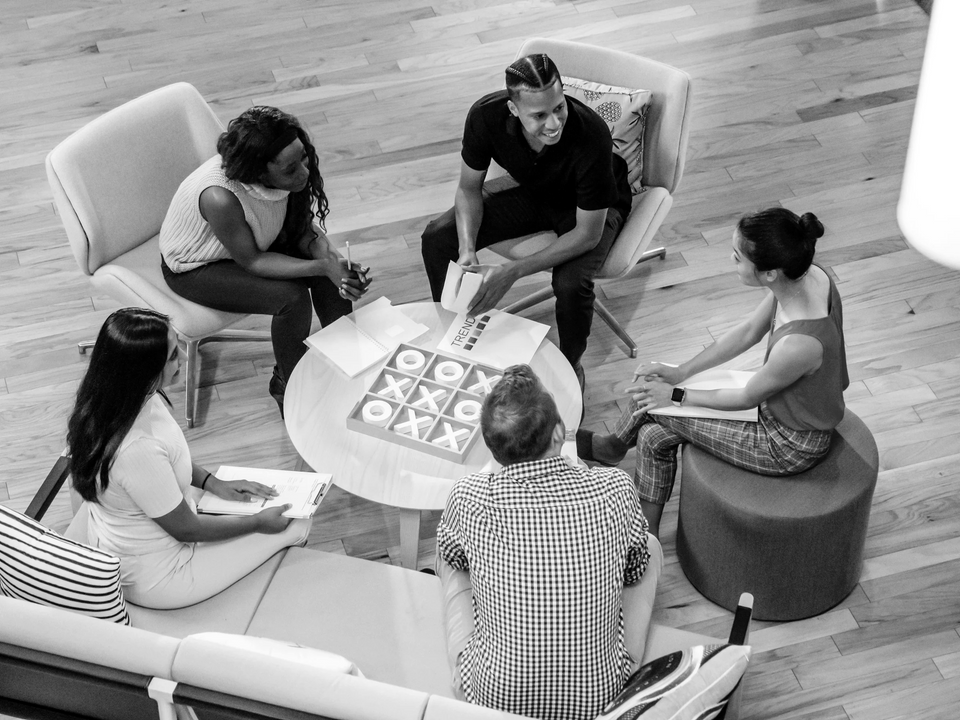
427, 401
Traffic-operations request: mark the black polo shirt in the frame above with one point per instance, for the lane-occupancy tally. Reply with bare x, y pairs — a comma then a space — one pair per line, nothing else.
580, 171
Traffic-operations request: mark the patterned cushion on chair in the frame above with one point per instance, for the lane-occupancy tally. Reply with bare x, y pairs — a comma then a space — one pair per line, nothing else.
692, 684
40, 566
625, 112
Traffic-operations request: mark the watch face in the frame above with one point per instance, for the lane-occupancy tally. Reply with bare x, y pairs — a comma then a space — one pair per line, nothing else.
677, 395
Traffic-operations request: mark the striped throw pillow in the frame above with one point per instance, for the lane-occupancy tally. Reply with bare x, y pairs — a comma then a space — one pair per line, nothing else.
38, 565
625, 112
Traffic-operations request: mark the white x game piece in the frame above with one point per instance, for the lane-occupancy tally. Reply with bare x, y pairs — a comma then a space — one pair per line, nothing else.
412, 425
395, 387
484, 384
429, 398
451, 437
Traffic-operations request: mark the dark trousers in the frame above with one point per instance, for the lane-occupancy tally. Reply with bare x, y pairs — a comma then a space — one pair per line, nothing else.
514, 213
224, 285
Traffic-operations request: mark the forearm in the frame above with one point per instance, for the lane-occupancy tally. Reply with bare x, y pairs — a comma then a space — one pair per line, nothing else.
725, 399
279, 266
199, 476
469, 214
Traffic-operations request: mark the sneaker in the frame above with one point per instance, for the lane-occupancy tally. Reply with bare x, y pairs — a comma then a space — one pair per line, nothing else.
278, 388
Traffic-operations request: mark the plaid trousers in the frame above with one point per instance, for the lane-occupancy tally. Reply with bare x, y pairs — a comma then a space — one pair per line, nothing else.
766, 447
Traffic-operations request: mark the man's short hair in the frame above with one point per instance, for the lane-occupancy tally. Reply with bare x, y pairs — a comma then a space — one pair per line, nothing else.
533, 73
518, 417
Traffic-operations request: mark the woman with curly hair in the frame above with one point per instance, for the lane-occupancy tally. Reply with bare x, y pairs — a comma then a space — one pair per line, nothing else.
799, 388
244, 233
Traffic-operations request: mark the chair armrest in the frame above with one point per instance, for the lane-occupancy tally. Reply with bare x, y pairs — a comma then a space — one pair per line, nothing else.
740, 632
49, 488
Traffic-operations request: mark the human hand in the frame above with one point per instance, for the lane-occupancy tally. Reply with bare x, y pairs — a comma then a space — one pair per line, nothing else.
658, 371
240, 490
353, 280
467, 257
497, 280
649, 395
271, 520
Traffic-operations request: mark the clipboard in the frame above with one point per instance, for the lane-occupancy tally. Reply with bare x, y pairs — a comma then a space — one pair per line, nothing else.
303, 491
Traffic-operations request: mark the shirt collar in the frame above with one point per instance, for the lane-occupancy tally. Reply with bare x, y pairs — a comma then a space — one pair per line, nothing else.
536, 468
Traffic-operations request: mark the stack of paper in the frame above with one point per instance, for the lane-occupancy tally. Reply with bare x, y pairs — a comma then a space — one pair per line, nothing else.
459, 289
366, 336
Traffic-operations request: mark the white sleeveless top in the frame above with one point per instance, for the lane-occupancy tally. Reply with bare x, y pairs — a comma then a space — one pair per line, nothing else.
187, 241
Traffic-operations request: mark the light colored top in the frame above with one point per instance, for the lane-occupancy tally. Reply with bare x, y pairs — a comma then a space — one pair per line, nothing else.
549, 548
815, 401
149, 477
187, 241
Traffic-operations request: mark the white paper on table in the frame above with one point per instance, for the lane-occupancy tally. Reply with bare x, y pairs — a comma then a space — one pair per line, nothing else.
713, 379
459, 288
495, 338
365, 336
304, 491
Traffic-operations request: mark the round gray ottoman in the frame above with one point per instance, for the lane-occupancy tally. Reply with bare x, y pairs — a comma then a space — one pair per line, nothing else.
795, 542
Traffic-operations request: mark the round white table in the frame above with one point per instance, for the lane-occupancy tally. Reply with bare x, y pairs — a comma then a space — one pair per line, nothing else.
319, 397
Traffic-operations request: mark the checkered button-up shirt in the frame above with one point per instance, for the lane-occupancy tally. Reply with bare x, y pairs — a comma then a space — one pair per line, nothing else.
549, 548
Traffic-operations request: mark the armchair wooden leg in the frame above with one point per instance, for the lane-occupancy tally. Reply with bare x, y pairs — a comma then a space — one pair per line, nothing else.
616, 327
409, 537
192, 380
659, 252
530, 300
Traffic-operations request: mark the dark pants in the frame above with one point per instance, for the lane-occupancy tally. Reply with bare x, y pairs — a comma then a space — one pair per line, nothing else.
514, 213
224, 285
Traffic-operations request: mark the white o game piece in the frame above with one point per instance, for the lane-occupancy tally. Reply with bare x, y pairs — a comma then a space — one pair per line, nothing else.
448, 371
467, 411
410, 360
376, 412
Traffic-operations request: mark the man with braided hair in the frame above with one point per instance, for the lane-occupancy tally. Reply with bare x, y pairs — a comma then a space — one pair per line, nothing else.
565, 178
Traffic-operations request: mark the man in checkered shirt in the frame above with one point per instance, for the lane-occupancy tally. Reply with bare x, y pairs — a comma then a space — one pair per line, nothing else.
549, 547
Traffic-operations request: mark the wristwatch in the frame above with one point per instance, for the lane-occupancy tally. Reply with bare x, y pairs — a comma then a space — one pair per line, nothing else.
678, 395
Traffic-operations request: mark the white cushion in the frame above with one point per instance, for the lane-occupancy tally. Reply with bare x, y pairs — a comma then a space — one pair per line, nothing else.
40, 566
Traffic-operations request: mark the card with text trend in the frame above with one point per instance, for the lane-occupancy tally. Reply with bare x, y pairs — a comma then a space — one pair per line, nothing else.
495, 338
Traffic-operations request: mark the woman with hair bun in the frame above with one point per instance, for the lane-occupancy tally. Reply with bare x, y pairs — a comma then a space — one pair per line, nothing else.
244, 233
799, 388
130, 463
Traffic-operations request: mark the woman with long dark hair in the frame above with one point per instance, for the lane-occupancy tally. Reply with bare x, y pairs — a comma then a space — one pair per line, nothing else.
799, 388
244, 233
130, 462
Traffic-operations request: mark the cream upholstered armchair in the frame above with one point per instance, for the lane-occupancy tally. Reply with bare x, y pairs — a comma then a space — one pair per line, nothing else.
112, 181
664, 155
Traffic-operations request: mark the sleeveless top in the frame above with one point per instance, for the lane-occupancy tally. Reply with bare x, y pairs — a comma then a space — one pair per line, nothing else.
187, 241
815, 401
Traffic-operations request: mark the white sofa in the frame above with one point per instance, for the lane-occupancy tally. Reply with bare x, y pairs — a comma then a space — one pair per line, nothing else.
386, 620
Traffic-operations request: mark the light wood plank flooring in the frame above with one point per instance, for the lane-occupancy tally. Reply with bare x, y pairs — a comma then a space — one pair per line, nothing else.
803, 104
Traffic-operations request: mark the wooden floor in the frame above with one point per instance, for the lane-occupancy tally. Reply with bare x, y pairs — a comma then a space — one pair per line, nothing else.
799, 103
